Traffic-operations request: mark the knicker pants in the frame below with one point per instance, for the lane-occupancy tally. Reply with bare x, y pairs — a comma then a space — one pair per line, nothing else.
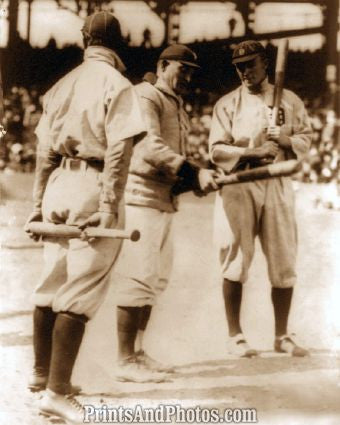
75, 276
264, 208
144, 267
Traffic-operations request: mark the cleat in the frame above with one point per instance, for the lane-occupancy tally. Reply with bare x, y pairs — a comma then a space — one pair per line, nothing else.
130, 370
285, 344
239, 347
64, 407
52, 419
38, 383
152, 364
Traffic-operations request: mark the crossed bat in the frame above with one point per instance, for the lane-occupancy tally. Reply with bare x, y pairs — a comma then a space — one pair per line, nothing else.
278, 169
284, 168
67, 231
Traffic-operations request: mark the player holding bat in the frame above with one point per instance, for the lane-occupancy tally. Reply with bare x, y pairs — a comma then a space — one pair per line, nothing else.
245, 135
91, 119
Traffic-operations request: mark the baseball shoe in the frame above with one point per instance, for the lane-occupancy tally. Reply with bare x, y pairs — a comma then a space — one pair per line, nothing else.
130, 370
285, 344
239, 347
152, 364
65, 407
38, 383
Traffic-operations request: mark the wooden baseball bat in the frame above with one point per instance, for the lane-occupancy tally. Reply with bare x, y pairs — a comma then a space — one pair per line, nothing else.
283, 168
65, 231
281, 60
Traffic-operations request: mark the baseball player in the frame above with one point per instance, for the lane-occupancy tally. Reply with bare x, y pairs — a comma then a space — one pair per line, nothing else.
241, 138
158, 172
90, 120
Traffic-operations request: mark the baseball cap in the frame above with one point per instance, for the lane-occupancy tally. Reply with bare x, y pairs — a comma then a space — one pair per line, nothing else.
180, 53
246, 51
103, 25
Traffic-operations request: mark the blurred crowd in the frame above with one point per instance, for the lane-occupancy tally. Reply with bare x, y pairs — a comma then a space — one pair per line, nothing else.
323, 162
22, 110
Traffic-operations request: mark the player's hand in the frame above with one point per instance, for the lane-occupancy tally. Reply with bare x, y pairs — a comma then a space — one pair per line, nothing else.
266, 161
34, 216
268, 149
207, 180
276, 134
100, 219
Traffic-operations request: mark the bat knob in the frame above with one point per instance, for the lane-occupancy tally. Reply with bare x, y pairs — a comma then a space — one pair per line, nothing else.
135, 235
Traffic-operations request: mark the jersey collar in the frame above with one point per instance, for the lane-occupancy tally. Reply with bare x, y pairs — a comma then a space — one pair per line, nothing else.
163, 87
263, 87
103, 54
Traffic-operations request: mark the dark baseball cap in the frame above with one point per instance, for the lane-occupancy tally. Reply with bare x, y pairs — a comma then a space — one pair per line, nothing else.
246, 51
180, 53
103, 25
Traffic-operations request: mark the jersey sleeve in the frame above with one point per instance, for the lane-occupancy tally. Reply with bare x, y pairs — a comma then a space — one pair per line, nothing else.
220, 138
153, 147
124, 124
46, 158
302, 131
124, 117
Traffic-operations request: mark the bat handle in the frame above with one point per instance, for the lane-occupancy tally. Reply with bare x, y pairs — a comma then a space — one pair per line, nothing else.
273, 118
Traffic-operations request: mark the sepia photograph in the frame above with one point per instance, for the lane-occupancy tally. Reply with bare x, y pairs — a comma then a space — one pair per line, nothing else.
169, 212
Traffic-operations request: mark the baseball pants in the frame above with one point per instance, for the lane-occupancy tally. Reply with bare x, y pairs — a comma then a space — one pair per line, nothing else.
143, 268
261, 208
75, 274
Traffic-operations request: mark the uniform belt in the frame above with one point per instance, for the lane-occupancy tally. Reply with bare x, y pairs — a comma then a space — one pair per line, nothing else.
74, 164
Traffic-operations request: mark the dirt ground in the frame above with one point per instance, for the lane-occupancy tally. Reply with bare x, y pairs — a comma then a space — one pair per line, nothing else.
188, 327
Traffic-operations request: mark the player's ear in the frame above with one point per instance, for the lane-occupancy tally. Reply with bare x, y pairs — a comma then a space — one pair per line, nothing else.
164, 64
161, 66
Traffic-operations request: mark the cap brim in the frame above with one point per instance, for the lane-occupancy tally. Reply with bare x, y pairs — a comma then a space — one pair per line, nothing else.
245, 58
192, 64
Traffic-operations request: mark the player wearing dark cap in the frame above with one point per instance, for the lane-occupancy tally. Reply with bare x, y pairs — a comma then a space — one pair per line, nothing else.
247, 51
158, 168
91, 118
241, 137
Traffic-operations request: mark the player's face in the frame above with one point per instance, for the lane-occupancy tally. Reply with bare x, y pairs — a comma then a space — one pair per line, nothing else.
179, 77
252, 72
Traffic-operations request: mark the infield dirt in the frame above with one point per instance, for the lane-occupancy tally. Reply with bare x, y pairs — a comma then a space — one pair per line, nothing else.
188, 327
